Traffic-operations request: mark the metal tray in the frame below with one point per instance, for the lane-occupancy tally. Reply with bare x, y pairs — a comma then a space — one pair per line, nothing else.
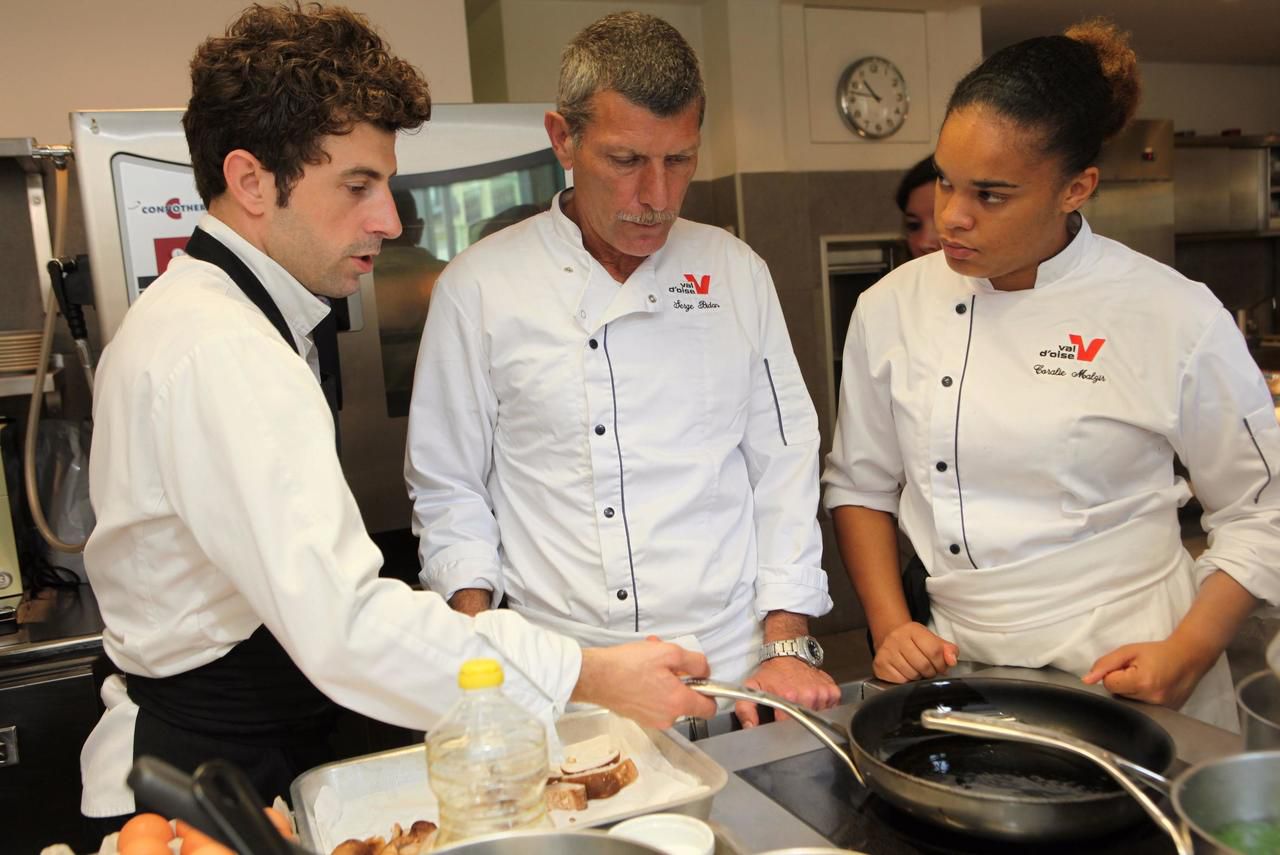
407, 767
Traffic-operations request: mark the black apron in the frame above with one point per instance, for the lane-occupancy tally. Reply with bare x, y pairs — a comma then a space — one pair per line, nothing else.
252, 706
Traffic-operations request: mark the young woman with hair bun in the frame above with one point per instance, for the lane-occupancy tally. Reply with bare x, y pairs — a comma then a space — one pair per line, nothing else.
1016, 402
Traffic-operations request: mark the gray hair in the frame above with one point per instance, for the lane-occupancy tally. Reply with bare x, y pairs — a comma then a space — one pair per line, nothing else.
641, 57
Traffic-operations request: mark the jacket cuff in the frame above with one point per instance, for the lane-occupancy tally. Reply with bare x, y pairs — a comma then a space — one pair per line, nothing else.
1262, 583
792, 588
835, 497
466, 565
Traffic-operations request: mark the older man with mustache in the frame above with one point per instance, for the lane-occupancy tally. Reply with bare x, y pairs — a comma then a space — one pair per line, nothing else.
609, 429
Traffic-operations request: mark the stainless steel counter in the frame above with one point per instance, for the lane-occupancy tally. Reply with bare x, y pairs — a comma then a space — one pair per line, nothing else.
62, 624
756, 823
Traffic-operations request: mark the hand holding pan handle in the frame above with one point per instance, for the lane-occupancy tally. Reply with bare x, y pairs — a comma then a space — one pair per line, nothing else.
829, 733
973, 724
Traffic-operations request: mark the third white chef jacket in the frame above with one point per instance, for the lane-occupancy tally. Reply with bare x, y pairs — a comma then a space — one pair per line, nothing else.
618, 460
221, 506
1026, 438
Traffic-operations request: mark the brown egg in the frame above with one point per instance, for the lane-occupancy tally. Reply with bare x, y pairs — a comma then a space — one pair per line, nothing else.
144, 826
193, 839
144, 846
212, 848
280, 821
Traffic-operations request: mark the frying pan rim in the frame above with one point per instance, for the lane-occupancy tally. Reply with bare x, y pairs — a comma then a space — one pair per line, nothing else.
883, 768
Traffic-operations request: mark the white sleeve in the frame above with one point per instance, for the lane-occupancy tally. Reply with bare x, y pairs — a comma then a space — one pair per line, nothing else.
247, 459
864, 467
780, 446
1230, 441
450, 450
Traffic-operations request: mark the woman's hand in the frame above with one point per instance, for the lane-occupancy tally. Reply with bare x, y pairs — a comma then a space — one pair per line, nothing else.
912, 652
1158, 672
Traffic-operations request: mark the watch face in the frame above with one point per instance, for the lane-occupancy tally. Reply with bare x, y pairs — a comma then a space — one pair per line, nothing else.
815, 650
873, 97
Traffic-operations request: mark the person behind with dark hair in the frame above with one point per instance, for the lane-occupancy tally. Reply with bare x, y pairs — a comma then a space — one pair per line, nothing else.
915, 201
238, 587
1016, 402
609, 428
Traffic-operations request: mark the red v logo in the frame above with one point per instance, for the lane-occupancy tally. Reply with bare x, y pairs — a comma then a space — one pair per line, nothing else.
1083, 353
702, 286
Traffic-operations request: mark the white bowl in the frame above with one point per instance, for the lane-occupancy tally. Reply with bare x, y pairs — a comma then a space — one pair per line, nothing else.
673, 833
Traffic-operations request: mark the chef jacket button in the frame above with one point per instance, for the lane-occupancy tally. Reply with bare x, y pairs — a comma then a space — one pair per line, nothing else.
582, 315
942, 466
622, 594
961, 308
608, 512
599, 430
946, 381
652, 299
955, 549
594, 344
568, 270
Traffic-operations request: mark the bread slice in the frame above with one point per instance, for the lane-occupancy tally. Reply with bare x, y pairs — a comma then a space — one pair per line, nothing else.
606, 781
594, 753
562, 795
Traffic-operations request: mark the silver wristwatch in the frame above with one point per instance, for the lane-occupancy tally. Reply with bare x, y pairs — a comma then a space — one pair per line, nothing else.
805, 648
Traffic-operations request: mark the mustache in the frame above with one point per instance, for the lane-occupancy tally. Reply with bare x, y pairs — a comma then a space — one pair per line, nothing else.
648, 218
371, 248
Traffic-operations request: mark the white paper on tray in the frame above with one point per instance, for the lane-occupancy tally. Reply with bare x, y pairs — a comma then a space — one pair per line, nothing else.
409, 798
404, 801
658, 782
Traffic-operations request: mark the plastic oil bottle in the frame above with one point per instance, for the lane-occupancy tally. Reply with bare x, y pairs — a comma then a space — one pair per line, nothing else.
487, 760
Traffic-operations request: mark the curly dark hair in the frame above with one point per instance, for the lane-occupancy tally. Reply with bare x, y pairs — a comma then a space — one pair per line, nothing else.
284, 77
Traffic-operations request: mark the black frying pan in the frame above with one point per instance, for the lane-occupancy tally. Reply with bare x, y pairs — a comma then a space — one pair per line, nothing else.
992, 787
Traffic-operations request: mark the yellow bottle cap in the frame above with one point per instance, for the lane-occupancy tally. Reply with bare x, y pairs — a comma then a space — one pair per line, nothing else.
480, 674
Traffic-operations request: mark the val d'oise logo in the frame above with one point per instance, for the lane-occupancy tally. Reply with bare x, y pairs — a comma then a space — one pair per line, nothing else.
1077, 351
693, 286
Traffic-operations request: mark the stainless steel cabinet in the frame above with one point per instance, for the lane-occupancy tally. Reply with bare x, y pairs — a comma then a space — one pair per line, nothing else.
1227, 184
46, 712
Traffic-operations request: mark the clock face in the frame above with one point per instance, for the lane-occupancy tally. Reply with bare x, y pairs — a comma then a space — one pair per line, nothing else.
873, 97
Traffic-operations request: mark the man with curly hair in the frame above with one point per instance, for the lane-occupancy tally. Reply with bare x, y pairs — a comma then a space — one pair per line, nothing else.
238, 587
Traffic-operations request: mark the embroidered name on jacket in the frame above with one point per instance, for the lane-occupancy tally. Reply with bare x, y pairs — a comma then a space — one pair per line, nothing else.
1078, 351
693, 286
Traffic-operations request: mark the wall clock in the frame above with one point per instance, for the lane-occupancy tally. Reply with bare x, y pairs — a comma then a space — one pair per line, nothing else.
872, 97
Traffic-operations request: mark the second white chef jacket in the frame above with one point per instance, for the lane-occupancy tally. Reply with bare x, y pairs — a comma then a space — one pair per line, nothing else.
1031, 433
618, 460
221, 506
1025, 439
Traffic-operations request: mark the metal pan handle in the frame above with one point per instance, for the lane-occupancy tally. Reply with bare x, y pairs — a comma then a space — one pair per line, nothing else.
826, 732
973, 724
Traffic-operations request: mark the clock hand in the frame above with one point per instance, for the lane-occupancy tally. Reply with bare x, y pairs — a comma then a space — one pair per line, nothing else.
872, 91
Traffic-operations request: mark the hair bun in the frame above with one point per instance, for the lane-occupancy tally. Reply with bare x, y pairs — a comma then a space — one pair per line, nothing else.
1119, 66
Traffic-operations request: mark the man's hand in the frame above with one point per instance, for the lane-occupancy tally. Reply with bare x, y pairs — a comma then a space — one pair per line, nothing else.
471, 601
790, 678
912, 652
641, 681
1158, 672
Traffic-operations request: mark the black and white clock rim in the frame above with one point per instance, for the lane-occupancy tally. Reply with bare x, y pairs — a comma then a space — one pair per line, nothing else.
846, 108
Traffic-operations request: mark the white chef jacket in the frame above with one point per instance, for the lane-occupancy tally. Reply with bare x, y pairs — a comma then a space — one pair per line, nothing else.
221, 506
1025, 440
618, 460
